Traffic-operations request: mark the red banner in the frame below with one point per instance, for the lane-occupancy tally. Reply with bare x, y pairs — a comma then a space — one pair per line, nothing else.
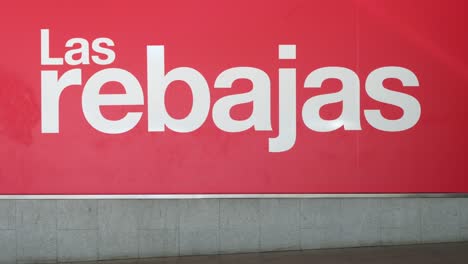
233, 97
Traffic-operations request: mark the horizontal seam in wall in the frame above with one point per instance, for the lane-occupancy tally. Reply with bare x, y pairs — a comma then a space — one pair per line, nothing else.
77, 229
169, 228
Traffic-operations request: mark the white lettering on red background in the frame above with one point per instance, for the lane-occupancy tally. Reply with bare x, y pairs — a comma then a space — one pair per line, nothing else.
158, 80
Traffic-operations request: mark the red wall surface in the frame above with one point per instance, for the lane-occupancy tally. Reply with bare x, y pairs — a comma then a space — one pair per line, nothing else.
428, 38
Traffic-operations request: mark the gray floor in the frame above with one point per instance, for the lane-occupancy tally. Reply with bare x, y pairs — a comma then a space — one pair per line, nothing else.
448, 253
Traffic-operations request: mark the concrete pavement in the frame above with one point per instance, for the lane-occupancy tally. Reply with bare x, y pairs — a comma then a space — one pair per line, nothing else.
447, 253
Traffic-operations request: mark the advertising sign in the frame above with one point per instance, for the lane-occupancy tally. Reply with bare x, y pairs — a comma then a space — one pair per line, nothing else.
233, 97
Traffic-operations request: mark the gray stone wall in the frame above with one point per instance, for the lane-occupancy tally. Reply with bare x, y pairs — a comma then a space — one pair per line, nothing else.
44, 231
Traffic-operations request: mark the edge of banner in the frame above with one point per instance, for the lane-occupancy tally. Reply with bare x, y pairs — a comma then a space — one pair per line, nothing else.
226, 196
